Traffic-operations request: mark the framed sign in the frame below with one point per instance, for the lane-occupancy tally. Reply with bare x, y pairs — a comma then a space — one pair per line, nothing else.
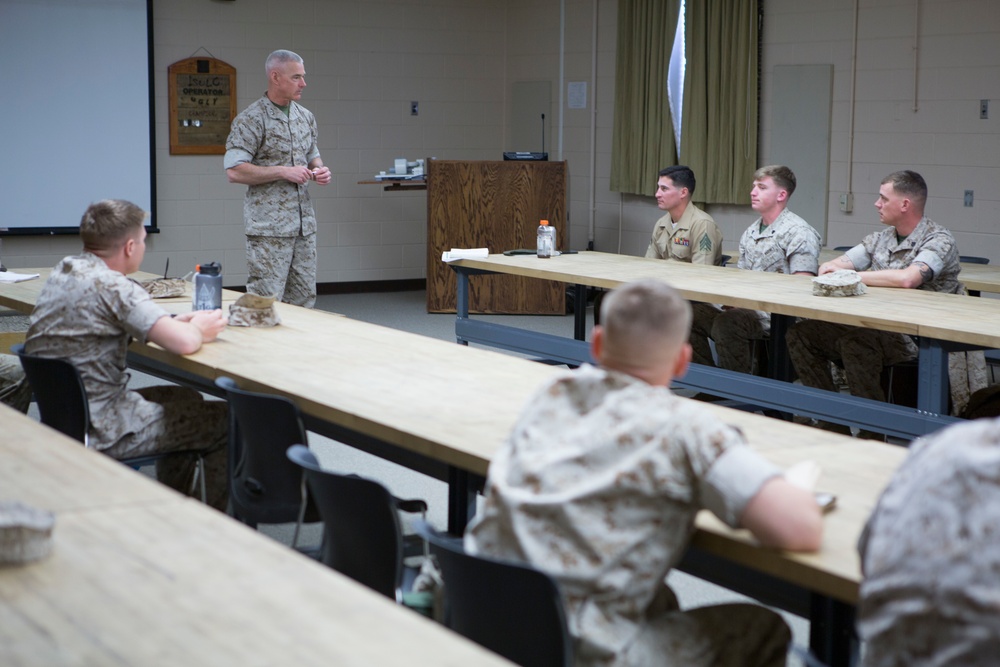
202, 94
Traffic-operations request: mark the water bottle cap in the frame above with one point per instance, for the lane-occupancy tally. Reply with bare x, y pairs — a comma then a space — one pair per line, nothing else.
210, 269
544, 222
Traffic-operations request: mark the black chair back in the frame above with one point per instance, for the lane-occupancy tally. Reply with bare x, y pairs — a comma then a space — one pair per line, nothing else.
362, 535
265, 487
59, 391
510, 608
972, 259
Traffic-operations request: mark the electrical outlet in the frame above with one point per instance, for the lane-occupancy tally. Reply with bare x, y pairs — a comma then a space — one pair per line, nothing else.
984, 109
414, 108
968, 198
846, 202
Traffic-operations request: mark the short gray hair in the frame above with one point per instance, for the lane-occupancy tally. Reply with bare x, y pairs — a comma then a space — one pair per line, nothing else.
280, 57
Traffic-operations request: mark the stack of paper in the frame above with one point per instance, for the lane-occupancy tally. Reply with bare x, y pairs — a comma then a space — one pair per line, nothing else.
11, 277
464, 253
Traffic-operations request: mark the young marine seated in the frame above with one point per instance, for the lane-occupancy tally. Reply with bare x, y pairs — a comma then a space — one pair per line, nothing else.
599, 483
88, 312
930, 593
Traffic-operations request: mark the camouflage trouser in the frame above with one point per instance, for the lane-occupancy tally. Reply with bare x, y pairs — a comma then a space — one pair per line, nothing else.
812, 345
735, 332
967, 373
188, 422
14, 388
703, 315
719, 636
283, 267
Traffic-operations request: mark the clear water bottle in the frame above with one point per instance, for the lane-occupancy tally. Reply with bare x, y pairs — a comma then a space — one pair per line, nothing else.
208, 286
546, 239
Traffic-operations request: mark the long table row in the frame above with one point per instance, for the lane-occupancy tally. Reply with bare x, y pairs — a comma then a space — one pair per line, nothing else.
140, 575
943, 322
444, 409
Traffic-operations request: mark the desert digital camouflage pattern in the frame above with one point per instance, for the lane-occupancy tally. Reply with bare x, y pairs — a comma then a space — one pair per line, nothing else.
930, 594
14, 388
598, 485
88, 314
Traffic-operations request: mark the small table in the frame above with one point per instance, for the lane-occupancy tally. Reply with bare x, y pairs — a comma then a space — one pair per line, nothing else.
397, 185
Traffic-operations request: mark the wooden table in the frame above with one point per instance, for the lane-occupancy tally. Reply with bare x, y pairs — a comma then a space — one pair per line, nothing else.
140, 575
414, 400
942, 321
445, 409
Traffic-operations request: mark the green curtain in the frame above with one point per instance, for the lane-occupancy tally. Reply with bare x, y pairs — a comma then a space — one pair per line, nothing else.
643, 133
719, 131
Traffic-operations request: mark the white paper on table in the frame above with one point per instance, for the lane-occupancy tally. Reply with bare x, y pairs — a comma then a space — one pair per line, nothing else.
11, 277
464, 253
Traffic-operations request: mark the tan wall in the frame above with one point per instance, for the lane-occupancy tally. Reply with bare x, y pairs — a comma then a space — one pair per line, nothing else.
365, 61
957, 65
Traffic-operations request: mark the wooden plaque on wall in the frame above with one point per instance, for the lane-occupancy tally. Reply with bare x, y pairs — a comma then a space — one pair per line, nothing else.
495, 205
202, 99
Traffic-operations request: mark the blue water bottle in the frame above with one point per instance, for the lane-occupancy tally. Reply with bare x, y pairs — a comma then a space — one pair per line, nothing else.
208, 286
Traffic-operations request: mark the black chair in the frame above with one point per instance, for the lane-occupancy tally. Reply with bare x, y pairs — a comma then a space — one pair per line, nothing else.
510, 608
264, 486
362, 535
972, 259
62, 405
843, 248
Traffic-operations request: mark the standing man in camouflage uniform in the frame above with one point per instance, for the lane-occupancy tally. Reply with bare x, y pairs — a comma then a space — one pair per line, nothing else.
912, 252
777, 242
88, 312
14, 388
599, 482
272, 149
929, 554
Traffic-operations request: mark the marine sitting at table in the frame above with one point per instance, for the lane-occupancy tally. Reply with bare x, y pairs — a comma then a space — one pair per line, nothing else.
685, 233
88, 312
777, 242
912, 252
599, 483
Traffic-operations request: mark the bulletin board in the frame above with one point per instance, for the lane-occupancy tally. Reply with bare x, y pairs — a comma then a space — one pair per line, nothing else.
202, 94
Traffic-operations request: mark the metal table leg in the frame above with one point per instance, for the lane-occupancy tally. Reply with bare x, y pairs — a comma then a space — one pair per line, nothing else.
580, 312
462, 488
932, 381
831, 632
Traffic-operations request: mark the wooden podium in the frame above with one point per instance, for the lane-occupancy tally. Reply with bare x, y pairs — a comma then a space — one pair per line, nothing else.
495, 205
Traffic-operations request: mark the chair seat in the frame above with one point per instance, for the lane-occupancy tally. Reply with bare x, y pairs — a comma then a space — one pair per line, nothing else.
510, 608
362, 534
265, 487
63, 405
